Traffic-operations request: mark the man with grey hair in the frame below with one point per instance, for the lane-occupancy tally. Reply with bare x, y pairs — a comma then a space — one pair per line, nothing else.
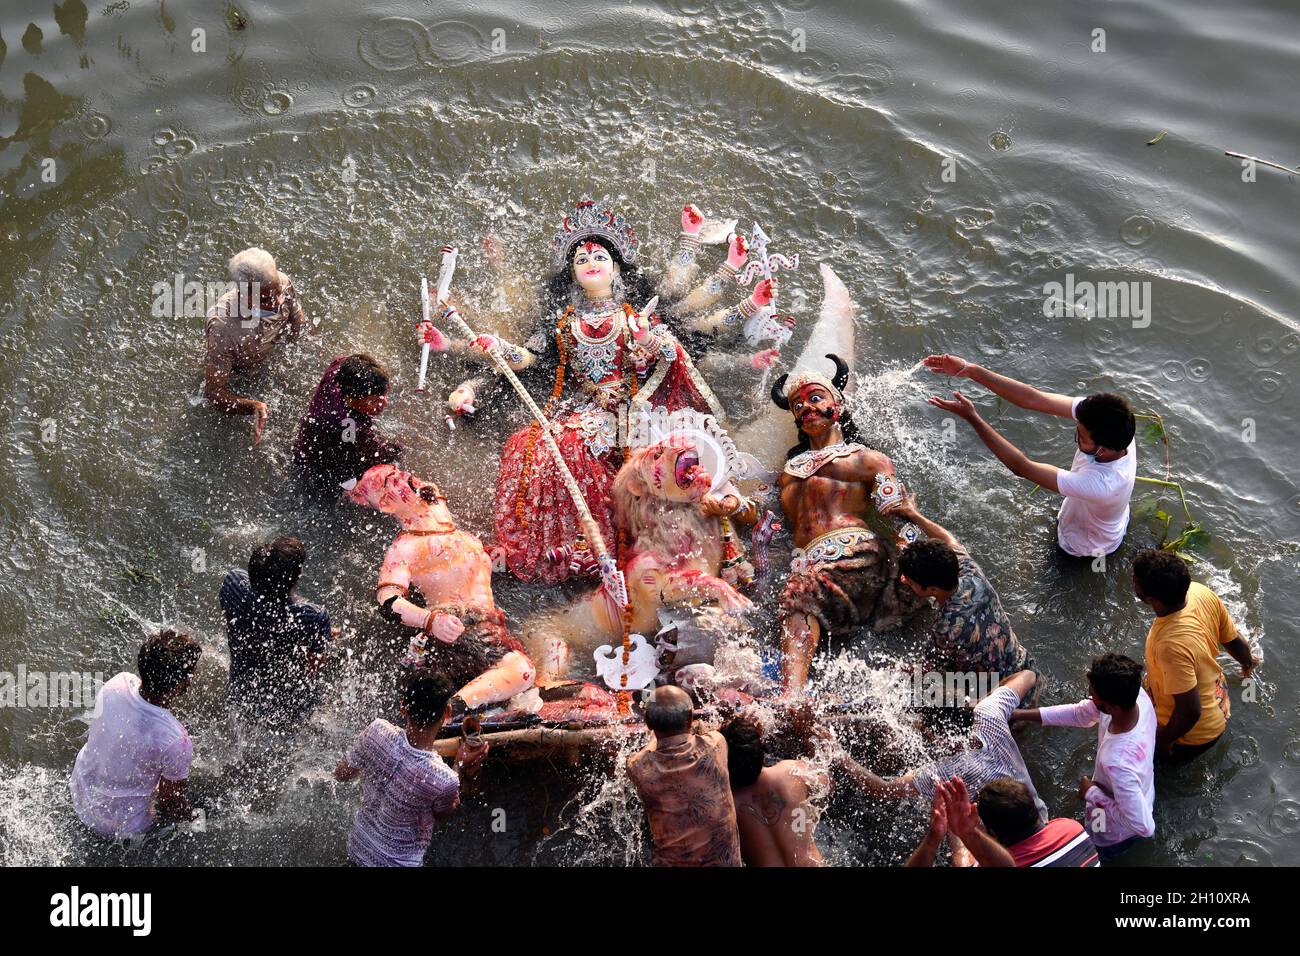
243, 327
683, 783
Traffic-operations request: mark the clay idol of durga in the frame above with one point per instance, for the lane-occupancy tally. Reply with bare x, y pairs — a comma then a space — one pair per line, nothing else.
604, 358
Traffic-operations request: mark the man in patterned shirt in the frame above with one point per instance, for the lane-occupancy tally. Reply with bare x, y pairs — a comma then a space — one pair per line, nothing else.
684, 784
973, 634
406, 786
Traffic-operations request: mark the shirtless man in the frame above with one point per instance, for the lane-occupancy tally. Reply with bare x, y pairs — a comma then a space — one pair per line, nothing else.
842, 576
461, 631
773, 812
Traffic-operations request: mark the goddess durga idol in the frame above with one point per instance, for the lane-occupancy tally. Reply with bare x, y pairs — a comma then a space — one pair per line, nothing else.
606, 364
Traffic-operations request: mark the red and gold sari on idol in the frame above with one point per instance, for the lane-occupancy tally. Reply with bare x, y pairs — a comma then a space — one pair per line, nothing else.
601, 371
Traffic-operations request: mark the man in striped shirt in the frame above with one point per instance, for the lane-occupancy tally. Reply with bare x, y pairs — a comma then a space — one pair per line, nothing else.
406, 786
988, 754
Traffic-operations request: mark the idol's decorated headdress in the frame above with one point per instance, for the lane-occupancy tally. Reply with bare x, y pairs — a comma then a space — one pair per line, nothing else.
587, 221
787, 386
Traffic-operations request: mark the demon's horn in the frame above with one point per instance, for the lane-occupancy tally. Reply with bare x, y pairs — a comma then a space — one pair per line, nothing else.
778, 393
841, 372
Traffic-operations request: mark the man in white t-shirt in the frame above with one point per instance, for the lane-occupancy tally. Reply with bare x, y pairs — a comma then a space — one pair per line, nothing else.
1120, 795
133, 768
1099, 482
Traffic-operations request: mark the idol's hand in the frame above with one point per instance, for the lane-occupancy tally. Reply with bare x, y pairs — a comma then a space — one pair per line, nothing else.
640, 326
737, 250
461, 401
958, 405
719, 506
485, 344
445, 627
731, 600
765, 359
946, 364
692, 220
432, 337
764, 292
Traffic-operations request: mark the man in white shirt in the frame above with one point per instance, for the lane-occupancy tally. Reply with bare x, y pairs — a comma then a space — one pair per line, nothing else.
1120, 795
133, 768
1099, 482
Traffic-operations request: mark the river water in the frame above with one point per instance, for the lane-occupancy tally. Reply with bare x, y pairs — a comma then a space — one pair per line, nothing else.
948, 160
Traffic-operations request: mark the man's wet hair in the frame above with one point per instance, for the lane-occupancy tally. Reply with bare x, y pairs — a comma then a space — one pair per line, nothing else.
951, 721
931, 563
745, 753
275, 567
1008, 810
425, 694
669, 718
1116, 679
165, 660
1108, 418
1162, 575
361, 376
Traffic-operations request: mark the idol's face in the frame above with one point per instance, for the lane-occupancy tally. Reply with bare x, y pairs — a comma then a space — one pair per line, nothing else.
594, 269
814, 410
671, 470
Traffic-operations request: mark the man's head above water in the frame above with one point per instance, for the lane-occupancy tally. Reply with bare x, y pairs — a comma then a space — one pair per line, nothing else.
669, 712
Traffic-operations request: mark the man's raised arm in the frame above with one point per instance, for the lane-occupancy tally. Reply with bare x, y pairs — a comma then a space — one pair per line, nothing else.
1017, 462
1017, 393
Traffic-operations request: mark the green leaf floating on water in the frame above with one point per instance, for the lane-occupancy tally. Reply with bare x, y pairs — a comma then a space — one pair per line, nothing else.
1159, 136
1154, 431
1145, 508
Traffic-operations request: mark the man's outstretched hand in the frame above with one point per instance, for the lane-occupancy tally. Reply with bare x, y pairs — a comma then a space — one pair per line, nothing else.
945, 364
260, 414
958, 405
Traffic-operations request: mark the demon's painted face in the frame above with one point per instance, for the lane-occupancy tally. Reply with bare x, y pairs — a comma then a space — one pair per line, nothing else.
814, 409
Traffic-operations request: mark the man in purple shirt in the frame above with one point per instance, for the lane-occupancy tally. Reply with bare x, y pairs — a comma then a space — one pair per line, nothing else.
337, 440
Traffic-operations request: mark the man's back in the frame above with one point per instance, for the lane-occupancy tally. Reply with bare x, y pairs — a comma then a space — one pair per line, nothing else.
776, 825
269, 647
973, 633
686, 791
1181, 652
403, 791
335, 443
239, 342
997, 754
1061, 842
132, 744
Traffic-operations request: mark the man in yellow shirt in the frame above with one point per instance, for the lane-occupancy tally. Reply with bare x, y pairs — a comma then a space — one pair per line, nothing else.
1183, 673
